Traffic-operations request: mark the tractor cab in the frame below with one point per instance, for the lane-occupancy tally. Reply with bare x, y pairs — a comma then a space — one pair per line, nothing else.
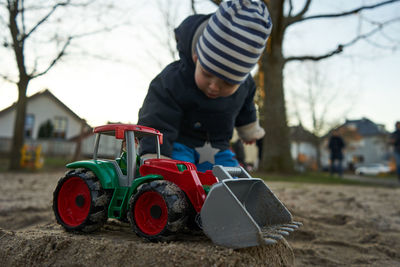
128, 162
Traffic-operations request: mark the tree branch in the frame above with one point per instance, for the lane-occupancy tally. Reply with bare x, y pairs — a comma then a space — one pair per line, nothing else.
22, 12
33, 7
339, 48
64, 48
290, 8
6, 78
193, 7
298, 18
389, 38
46, 17
17, 43
381, 46
292, 19
54, 61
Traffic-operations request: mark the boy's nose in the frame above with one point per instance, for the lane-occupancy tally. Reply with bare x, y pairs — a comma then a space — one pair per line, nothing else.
214, 86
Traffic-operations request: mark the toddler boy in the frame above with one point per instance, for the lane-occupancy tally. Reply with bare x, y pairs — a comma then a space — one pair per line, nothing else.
197, 101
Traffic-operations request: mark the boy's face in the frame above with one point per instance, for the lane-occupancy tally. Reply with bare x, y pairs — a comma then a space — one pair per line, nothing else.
211, 85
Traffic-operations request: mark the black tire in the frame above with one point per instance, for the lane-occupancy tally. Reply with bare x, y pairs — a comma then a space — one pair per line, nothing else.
79, 202
164, 213
194, 220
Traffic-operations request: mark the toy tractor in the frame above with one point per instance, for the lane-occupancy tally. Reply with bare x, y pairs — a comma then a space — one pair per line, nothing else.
160, 197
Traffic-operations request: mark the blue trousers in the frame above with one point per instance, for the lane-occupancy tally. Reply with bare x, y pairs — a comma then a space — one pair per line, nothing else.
182, 152
336, 166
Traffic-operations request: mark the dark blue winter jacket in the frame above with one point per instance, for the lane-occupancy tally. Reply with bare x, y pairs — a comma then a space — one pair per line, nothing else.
336, 145
177, 108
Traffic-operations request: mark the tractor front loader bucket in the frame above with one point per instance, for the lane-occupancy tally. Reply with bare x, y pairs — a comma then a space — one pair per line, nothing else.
243, 212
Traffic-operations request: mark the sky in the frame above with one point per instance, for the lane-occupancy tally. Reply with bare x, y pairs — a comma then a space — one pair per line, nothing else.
105, 77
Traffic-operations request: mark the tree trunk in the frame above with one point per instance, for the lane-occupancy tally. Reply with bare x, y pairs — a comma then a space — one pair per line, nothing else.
317, 145
276, 152
78, 147
19, 125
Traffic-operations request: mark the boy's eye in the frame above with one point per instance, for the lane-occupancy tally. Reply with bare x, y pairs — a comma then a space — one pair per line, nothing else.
228, 84
206, 73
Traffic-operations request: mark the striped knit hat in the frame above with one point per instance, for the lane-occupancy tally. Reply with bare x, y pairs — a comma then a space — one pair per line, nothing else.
234, 39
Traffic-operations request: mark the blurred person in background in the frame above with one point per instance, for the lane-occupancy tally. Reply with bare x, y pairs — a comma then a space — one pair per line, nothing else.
395, 141
336, 146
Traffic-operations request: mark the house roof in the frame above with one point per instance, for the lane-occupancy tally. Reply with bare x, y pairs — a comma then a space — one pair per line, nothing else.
366, 127
298, 133
46, 92
356, 129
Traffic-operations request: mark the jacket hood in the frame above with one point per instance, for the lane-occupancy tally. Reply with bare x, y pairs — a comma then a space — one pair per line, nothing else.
184, 36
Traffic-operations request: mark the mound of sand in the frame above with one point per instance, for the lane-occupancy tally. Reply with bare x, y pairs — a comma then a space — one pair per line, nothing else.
30, 236
115, 245
343, 225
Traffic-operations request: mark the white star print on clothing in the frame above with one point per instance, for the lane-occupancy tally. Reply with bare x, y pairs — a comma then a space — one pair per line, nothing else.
207, 153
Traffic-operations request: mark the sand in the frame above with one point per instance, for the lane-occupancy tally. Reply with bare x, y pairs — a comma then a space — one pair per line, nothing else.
343, 226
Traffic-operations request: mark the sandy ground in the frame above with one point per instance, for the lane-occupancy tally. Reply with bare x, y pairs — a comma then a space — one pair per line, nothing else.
343, 226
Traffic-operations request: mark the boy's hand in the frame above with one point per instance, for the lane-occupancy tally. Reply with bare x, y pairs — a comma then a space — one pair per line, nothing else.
251, 132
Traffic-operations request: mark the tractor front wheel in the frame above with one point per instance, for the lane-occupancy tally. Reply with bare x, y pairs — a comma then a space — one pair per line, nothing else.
158, 210
79, 202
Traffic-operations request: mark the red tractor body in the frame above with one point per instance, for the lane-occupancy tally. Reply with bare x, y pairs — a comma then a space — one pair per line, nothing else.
190, 180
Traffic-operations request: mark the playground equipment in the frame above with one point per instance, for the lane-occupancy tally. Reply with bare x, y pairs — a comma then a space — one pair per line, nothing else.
31, 157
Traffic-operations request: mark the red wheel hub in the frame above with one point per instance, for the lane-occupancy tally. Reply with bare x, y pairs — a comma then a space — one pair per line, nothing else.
151, 213
73, 201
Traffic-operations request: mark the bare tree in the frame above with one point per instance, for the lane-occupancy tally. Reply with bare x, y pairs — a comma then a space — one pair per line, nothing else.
318, 100
317, 103
276, 155
169, 11
169, 16
164, 34
33, 26
273, 114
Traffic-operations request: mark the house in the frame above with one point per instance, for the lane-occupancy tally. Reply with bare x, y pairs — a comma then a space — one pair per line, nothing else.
45, 111
366, 142
302, 148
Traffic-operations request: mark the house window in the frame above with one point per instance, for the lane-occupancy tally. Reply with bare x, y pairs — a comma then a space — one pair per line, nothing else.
60, 127
28, 128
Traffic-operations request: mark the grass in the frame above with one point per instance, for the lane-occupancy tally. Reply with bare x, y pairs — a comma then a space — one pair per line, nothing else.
58, 163
308, 177
50, 164
3, 164
55, 163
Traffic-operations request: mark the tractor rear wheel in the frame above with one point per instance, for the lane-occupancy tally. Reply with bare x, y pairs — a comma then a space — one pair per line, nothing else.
79, 202
158, 210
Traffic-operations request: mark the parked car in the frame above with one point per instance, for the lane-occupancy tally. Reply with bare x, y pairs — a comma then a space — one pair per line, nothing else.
372, 169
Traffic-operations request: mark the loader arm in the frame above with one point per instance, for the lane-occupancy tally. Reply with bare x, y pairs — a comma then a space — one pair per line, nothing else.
244, 212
